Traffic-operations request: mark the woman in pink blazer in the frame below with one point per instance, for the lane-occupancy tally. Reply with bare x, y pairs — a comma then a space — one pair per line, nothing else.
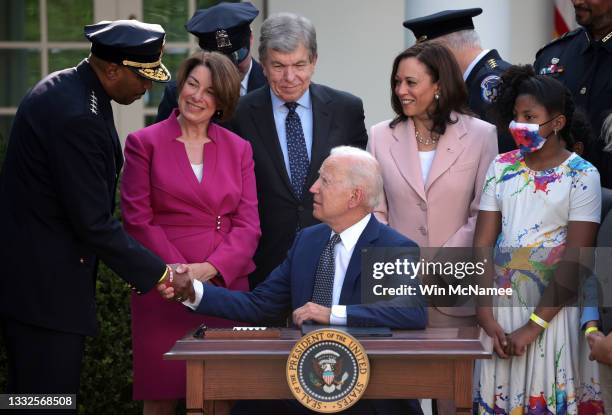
188, 194
433, 154
434, 157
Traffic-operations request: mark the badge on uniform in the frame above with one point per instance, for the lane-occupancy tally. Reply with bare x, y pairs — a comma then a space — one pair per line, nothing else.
553, 68
489, 88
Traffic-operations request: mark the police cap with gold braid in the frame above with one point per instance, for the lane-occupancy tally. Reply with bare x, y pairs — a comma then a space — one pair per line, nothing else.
133, 44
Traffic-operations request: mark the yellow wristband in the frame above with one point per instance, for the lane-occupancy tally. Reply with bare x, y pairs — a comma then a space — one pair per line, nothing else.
539, 321
163, 276
590, 330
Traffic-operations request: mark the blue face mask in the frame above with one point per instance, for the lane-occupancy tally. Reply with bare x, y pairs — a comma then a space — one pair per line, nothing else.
527, 135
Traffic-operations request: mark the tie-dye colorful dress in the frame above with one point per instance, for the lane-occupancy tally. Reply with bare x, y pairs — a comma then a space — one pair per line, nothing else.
554, 376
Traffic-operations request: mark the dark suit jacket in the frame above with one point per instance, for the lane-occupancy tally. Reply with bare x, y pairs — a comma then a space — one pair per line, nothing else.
338, 119
57, 193
169, 100
604, 242
483, 87
584, 66
291, 284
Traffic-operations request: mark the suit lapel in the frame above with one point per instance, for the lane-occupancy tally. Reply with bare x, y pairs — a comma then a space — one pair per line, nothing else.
263, 120
405, 153
367, 238
321, 120
256, 77
449, 148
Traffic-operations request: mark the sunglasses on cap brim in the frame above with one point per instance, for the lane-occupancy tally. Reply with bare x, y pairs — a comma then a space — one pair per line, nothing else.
239, 55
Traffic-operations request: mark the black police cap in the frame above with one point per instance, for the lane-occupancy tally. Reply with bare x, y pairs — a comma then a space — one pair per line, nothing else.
442, 23
224, 28
130, 43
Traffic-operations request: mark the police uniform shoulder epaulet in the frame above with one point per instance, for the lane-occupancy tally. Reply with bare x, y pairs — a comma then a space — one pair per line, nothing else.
492, 63
565, 36
92, 103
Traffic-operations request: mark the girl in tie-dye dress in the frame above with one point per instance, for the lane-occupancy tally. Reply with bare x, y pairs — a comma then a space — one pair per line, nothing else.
541, 198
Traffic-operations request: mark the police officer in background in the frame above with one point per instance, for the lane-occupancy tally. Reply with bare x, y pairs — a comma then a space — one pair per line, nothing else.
223, 28
481, 67
57, 194
582, 60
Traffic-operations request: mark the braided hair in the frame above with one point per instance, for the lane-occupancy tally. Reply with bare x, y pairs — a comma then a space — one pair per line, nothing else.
547, 91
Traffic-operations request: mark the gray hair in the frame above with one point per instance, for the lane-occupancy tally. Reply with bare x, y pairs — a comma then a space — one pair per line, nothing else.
606, 133
284, 32
363, 171
463, 39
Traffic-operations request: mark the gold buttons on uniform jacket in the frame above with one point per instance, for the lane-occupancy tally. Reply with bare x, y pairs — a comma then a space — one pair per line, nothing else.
81, 260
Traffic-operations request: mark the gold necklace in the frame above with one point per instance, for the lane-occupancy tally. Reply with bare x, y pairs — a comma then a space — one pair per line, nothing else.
424, 140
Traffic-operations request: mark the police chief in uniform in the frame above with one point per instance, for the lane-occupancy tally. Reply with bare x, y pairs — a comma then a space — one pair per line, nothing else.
57, 192
582, 60
481, 68
224, 28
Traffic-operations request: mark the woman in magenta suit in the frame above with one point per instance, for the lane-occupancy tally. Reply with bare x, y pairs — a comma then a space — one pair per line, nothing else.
434, 156
188, 194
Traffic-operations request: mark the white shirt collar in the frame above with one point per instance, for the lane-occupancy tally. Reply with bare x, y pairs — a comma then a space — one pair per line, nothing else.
303, 101
351, 235
474, 62
244, 84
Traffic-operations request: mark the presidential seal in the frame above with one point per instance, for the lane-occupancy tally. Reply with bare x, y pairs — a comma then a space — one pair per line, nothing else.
328, 371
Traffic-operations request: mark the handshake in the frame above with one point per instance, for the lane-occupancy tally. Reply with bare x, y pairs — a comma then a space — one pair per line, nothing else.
177, 285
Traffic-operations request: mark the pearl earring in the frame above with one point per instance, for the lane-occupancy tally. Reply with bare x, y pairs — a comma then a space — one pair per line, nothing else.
437, 96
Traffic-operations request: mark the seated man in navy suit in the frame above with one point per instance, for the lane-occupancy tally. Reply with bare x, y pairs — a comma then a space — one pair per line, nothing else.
320, 280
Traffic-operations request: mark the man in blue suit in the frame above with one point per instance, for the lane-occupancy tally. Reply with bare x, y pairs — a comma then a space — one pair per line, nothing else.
320, 280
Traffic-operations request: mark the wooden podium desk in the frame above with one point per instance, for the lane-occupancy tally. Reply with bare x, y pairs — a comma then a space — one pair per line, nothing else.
432, 363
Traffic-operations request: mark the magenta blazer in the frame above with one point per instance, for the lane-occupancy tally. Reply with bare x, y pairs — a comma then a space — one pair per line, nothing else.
182, 220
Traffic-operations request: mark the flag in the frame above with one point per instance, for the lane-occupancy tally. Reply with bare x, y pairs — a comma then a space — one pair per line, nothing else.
565, 19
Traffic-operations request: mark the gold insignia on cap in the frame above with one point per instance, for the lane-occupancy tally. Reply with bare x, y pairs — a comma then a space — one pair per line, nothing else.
222, 39
421, 39
554, 61
492, 63
159, 74
142, 65
606, 37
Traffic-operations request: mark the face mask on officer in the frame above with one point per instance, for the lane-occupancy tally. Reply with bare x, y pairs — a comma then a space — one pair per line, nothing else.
527, 135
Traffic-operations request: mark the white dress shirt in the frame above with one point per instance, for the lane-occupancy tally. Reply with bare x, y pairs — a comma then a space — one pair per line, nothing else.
343, 252
244, 84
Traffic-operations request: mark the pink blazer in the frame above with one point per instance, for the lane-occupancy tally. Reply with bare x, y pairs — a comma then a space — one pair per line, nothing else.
442, 211
182, 220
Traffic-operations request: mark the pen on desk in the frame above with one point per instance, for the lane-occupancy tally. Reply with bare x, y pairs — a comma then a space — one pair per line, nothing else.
199, 333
